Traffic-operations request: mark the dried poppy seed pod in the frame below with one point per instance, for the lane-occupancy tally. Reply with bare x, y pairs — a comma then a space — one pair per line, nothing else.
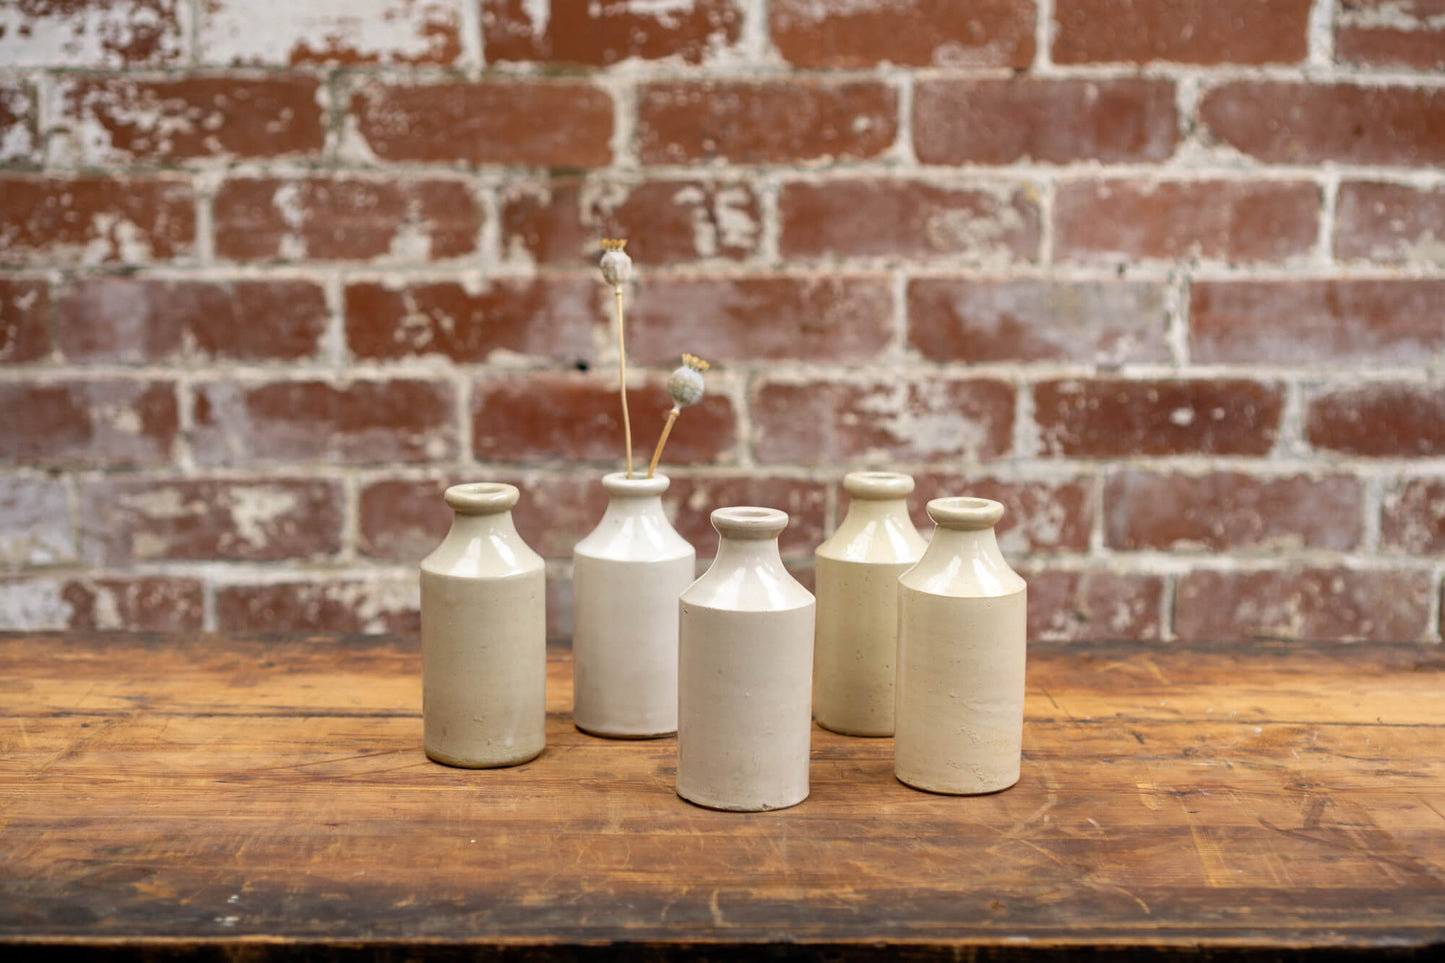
616, 265
685, 384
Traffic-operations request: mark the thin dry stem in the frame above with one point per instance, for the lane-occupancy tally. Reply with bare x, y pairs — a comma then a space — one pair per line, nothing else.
622, 376
662, 440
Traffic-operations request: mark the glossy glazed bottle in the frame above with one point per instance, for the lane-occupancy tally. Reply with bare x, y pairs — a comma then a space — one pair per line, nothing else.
483, 636
626, 578
962, 634
745, 672
856, 580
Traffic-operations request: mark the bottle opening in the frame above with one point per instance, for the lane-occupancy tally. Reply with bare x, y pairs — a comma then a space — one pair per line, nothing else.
748, 521
482, 498
965, 513
877, 484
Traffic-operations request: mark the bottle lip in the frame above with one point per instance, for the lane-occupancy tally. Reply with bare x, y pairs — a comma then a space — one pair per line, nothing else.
482, 498
965, 513
617, 483
749, 522
877, 485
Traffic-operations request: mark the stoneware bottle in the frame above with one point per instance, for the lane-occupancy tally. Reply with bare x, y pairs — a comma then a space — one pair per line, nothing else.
856, 573
745, 674
961, 641
483, 636
626, 578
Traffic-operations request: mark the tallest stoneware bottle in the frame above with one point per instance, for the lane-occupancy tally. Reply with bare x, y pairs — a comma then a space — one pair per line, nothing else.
483, 636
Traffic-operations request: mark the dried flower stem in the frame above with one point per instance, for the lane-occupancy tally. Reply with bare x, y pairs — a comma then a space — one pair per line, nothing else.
662, 440
622, 376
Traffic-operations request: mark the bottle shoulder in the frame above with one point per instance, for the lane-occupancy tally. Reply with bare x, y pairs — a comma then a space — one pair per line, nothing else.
747, 588
963, 567
880, 539
489, 555
624, 536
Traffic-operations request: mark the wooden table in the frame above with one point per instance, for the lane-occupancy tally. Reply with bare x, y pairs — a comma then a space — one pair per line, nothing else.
249, 798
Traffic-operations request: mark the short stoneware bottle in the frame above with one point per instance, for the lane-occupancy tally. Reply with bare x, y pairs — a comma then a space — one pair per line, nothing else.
483, 636
626, 578
856, 580
745, 672
962, 634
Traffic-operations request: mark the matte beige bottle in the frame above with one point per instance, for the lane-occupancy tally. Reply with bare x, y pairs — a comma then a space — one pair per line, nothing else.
483, 636
745, 672
962, 635
856, 580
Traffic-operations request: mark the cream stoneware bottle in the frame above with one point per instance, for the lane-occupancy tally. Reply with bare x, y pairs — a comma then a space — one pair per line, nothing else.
856, 580
483, 636
626, 578
961, 642
745, 673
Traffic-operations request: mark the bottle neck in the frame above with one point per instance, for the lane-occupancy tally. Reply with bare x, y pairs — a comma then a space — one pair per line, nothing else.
865, 510
621, 507
749, 553
494, 525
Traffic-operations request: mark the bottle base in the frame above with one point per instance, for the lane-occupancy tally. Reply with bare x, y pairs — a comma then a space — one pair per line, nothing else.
856, 731
457, 762
605, 734
731, 807
921, 784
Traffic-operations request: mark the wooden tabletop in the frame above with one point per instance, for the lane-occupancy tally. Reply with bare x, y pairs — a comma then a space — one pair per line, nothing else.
163, 796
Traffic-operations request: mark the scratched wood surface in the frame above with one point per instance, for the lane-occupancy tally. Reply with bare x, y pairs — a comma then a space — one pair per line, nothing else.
163, 795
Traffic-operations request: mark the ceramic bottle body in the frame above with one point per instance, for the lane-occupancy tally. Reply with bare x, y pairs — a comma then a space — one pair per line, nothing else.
745, 672
856, 579
961, 650
483, 636
626, 578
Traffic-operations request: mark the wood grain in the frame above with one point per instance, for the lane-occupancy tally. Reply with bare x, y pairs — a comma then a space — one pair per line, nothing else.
163, 796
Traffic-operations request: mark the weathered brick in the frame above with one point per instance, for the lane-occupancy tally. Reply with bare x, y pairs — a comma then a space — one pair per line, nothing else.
1110, 418
493, 122
35, 525
542, 317
137, 604
346, 218
917, 33
771, 122
921, 419
815, 318
1327, 321
1413, 517
1390, 223
1234, 221
981, 320
95, 220
24, 320
93, 33
597, 34
355, 423
104, 423
1231, 511
19, 141
1182, 31
1040, 517
126, 520
690, 502
667, 222
1294, 123
1379, 420
578, 418
1093, 605
340, 32
381, 605
1391, 33
1047, 121
134, 321
115, 119
908, 219
1304, 604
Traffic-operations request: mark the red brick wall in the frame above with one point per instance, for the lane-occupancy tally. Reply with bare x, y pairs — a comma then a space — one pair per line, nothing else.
1167, 277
